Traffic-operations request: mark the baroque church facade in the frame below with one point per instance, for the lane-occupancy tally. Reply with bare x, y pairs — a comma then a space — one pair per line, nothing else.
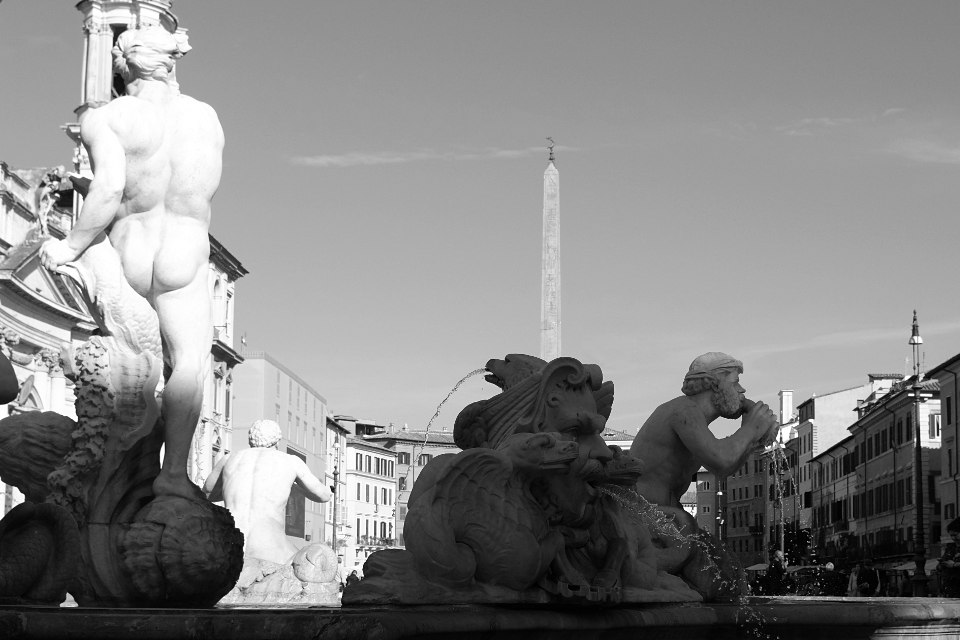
43, 314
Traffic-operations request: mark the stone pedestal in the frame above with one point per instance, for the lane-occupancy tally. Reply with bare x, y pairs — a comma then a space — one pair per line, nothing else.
783, 618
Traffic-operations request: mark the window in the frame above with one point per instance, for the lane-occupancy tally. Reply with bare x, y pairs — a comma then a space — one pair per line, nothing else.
383, 496
403, 457
368, 493
359, 462
706, 509
949, 410
358, 491
424, 458
367, 465
934, 430
402, 483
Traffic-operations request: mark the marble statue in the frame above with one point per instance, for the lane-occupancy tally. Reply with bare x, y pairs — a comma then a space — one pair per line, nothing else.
676, 441
530, 510
157, 159
46, 198
254, 485
140, 249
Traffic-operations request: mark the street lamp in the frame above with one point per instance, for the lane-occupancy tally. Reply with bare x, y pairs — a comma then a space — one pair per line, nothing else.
336, 476
920, 557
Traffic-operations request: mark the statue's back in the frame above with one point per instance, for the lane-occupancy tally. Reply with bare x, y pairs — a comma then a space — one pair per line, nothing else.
194, 143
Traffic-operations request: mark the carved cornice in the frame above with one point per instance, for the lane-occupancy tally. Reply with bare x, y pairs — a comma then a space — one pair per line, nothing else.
94, 26
225, 353
226, 261
19, 206
49, 359
11, 284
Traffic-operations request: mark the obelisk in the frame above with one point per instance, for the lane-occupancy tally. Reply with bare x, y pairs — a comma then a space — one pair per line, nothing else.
550, 275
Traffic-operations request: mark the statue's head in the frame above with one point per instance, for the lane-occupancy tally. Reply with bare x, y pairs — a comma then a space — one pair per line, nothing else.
718, 374
149, 53
264, 433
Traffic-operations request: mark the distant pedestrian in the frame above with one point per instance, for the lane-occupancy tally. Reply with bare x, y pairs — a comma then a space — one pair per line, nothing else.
353, 578
949, 566
868, 580
776, 579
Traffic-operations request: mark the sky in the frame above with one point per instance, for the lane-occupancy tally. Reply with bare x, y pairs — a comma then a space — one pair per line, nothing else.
773, 179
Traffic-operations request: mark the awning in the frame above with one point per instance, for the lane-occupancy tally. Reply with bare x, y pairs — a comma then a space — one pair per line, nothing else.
911, 566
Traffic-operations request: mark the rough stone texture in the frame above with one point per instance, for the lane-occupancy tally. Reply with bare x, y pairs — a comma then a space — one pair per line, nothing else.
180, 552
39, 553
31, 446
775, 618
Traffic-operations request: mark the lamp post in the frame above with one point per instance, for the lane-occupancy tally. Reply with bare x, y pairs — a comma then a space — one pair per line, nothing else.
336, 477
920, 556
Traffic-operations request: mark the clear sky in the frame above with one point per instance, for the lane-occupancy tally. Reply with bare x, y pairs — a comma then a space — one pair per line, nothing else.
778, 180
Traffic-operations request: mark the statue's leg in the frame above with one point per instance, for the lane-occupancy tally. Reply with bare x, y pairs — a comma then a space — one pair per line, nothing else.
187, 331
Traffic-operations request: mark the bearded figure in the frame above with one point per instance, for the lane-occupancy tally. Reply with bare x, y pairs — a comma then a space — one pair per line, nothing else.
676, 441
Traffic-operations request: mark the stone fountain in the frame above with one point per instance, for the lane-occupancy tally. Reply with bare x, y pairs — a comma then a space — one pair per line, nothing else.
536, 528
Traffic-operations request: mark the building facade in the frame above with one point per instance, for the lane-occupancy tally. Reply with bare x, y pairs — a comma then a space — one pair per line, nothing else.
949, 486
413, 449
869, 503
336, 521
371, 498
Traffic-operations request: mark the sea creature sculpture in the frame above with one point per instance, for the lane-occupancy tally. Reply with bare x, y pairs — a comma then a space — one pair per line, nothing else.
479, 519
39, 553
524, 513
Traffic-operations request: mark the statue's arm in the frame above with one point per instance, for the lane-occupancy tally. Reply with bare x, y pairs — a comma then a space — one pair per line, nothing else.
105, 193
720, 455
311, 484
213, 486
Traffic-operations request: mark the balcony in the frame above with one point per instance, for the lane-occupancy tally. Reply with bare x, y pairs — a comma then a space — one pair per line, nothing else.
373, 541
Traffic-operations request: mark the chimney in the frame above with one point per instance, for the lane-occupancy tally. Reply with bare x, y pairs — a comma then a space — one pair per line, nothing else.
786, 406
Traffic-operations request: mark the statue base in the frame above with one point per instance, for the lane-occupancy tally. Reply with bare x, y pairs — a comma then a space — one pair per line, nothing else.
787, 618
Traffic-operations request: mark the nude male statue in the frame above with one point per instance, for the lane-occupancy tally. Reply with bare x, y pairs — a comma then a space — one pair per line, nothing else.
254, 485
676, 441
157, 158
